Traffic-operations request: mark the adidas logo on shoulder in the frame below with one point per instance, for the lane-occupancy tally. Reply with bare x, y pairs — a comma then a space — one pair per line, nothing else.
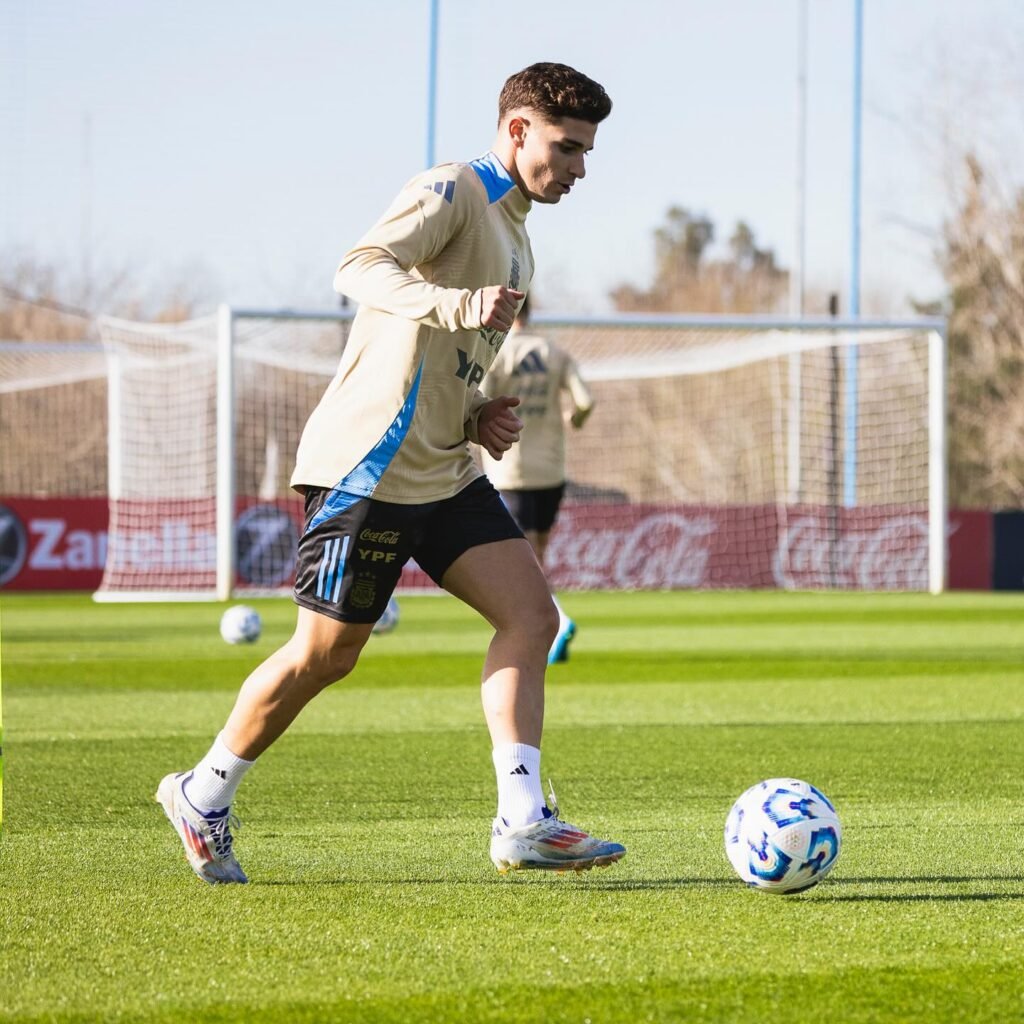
443, 188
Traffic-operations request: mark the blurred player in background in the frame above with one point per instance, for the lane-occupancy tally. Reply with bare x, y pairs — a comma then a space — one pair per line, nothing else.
531, 475
385, 468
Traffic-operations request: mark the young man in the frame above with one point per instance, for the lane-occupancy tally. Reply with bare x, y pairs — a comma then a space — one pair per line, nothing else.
531, 476
385, 468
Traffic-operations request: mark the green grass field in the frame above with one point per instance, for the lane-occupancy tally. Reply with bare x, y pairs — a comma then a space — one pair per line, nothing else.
366, 827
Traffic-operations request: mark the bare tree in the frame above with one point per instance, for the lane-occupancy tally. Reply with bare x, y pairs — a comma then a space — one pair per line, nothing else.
982, 259
39, 301
688, 278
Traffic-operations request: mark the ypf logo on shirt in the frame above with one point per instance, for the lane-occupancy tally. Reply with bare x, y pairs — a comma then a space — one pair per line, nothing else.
469, 369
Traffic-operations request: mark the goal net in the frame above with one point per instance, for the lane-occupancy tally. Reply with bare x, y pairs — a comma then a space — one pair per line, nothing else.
722, 452
53, 400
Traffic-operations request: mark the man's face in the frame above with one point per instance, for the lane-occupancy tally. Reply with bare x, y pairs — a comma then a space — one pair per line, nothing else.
550, 156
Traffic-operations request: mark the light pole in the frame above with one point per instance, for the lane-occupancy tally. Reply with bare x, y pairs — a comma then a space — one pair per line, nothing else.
432, 82
796, 279
851, 411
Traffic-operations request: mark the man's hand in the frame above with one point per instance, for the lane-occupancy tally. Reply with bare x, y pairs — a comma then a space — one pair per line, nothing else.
579, 416
498, 426
498, 306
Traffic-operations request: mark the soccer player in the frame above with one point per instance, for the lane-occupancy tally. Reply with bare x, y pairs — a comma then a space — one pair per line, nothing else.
386, 472
531, 475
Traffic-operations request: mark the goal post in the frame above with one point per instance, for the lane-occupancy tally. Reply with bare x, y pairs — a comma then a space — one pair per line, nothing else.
316, 363
715, 457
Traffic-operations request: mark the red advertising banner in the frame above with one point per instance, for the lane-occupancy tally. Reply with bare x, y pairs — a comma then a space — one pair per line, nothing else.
794, 547
52, 543
971, 550
61, 544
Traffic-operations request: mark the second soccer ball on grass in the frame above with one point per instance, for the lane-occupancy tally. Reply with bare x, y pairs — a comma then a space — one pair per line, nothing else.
241, 624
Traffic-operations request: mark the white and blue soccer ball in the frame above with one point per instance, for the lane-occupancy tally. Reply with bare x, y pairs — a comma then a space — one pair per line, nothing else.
389, 619
782, 835
241, 624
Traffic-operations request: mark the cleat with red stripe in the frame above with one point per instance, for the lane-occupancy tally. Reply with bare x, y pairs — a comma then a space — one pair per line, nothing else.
207, 841
549, 845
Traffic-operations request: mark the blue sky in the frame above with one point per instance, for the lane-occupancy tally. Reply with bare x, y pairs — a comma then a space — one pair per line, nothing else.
242, 147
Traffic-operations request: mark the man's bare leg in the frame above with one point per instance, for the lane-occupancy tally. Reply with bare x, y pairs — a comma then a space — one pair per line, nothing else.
320, 652
198, 803
559, 650
504, 583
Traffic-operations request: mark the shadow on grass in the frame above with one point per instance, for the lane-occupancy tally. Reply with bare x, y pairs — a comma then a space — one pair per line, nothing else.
703, 883
925, 897
652, 884
920, 879
522, 878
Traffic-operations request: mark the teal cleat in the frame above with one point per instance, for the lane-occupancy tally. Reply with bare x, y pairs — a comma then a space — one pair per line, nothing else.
560, 648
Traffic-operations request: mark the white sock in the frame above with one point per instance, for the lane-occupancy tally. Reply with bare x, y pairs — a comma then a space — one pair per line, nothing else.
520, 799
215, 779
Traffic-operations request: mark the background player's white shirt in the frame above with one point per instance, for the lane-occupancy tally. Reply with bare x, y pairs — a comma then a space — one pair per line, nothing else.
537, 371
395, 420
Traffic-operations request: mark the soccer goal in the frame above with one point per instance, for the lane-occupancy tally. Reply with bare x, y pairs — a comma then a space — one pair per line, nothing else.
724, 452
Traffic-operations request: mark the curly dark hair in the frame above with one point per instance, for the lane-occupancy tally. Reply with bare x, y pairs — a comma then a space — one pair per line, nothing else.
555, 91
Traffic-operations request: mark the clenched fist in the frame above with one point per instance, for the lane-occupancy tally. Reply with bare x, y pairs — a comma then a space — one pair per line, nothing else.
498, 306
498, 427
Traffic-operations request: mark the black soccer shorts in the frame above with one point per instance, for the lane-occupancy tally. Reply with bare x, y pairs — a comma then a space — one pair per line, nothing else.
350, 561
535, 509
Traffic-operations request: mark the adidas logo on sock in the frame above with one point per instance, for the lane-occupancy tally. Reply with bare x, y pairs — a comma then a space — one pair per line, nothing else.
521, 770
221, 773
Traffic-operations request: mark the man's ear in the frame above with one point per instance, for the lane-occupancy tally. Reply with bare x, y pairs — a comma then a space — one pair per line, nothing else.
517, 128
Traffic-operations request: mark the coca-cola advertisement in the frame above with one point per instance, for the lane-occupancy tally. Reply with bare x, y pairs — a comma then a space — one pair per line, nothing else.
852, 549
630, 547
791, 547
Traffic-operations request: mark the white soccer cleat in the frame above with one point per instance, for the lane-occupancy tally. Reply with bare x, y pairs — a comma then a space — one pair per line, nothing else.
549, 845
207, 841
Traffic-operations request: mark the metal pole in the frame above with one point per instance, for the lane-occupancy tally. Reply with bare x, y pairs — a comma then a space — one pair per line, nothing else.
432, 82
832, 466
851, 411
225, 500
115, 418
938, 497
796, 278
796, 274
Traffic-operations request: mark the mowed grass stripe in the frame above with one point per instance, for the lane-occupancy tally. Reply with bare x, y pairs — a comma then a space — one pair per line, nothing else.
44, 713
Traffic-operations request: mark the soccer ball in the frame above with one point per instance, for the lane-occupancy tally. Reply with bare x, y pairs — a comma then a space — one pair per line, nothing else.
389, 619
782, 835
240, 625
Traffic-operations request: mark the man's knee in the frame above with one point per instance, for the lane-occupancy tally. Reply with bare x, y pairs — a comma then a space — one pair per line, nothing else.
540, 620
551, 621
323, 662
